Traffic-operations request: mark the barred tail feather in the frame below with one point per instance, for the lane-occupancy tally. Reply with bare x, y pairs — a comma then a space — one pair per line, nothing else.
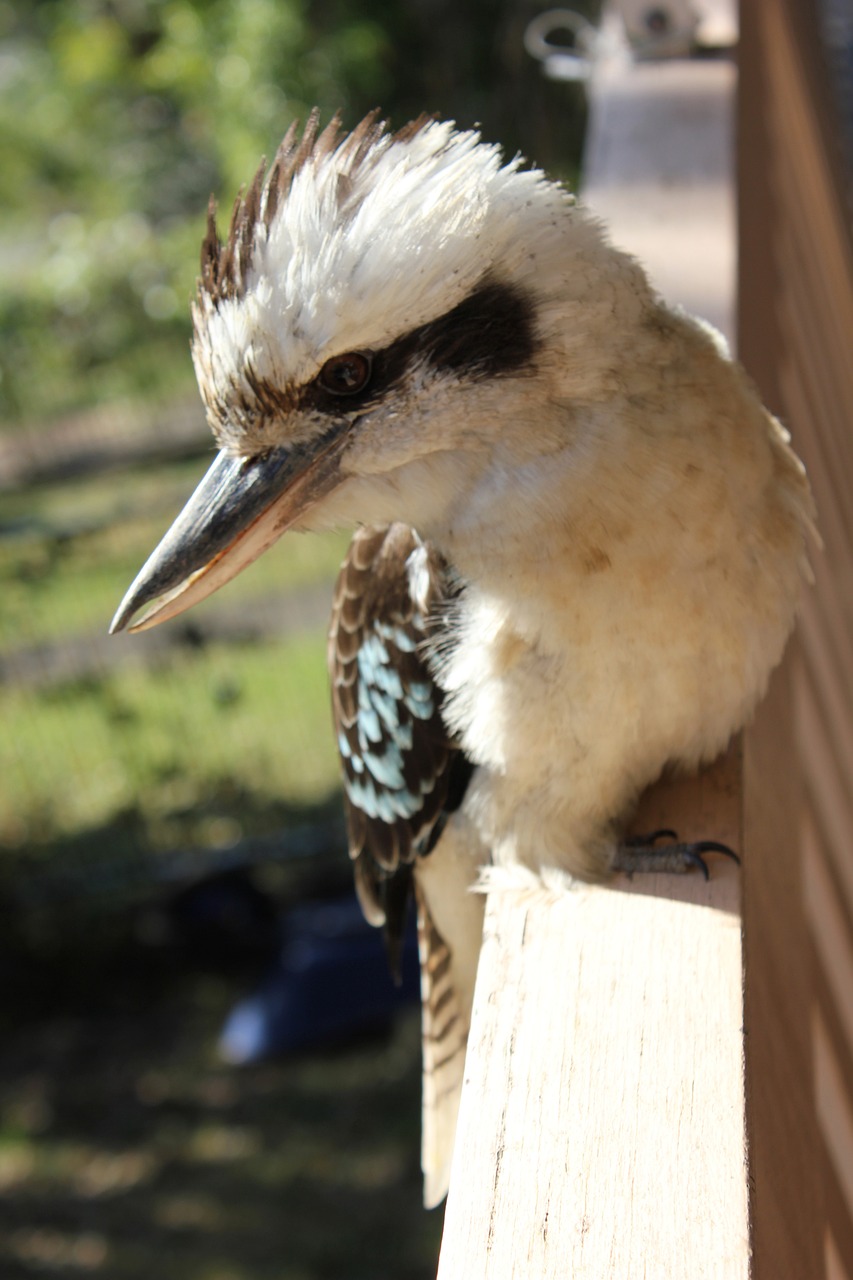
445, 1035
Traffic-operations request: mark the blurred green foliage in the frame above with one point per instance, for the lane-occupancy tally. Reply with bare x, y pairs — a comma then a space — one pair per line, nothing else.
96, 728
118, 118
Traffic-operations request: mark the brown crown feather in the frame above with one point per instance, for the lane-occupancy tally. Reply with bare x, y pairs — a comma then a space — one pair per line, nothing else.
224, 265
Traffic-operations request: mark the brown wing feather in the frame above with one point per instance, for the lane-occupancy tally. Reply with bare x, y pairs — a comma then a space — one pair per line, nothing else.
395, 753
402, 776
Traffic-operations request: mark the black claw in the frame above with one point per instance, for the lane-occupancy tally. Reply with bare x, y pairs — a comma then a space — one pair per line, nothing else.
714, 846
643, 854
692, 855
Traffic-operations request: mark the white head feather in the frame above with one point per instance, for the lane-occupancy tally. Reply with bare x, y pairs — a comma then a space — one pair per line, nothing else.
353, 241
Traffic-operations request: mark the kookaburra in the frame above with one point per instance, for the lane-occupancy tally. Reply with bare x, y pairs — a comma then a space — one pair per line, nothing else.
580, 536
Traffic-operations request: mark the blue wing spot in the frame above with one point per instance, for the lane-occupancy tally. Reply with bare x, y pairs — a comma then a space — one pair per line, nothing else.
387, 769
389, 681
372, 657
369, 728
404, 642
386, 805
388, 710
419, 700
374, 774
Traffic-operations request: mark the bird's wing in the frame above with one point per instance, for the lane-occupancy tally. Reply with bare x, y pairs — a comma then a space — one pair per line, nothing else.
395, 751
402, 776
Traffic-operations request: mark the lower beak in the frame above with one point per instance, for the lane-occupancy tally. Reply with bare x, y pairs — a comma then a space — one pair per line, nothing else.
241, 507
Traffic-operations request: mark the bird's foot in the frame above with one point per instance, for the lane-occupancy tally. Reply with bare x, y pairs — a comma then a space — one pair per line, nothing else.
644, 854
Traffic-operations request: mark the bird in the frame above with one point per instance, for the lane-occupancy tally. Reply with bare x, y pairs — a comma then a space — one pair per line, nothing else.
580, 538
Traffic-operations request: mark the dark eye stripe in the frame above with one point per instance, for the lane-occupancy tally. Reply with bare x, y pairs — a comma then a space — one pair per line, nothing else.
490, 334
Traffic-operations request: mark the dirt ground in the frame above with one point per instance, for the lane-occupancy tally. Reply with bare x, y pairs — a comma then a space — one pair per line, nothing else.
129, 1150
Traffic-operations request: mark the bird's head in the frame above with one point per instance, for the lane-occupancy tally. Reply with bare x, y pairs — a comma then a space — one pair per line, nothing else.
380, 301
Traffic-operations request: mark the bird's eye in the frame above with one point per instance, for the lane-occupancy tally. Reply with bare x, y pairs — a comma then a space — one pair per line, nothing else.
346, 375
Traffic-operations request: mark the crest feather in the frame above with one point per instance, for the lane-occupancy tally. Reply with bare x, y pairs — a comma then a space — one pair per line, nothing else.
224, 264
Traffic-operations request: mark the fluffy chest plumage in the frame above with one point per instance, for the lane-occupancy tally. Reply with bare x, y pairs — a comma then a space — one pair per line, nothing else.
586, 666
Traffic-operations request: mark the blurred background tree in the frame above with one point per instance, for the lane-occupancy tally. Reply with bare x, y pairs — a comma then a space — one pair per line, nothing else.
118, 118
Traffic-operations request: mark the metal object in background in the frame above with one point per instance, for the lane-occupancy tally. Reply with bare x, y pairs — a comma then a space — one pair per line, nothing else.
644, 30
560, 61
660, 28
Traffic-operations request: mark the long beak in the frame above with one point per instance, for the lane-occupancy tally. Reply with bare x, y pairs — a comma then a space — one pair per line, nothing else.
239, 510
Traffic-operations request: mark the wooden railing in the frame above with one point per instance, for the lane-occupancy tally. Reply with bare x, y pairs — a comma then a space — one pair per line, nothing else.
795, 322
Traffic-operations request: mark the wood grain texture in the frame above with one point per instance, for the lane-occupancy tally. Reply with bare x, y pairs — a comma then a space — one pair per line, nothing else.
602, 1126
795, 315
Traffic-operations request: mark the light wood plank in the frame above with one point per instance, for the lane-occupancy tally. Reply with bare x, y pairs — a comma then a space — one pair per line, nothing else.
604, 1091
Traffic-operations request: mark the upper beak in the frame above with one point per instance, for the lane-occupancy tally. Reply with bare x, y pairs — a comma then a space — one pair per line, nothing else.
240, 508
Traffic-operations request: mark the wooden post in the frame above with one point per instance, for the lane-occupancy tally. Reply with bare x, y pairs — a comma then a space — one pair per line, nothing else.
601, 1132
795, 320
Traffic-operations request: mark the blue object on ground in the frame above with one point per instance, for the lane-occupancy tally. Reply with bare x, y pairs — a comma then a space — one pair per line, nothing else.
330, 982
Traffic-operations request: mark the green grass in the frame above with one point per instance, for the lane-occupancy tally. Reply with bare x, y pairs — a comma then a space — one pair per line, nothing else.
249, 719
196, 744
78, 545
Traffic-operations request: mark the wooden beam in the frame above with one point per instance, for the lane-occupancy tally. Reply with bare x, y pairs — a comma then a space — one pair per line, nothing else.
601, 1132
795, 315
